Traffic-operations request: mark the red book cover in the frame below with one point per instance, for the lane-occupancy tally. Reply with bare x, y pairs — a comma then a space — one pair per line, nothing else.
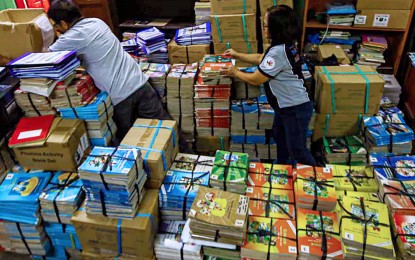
31, 130
38, 4
21, 4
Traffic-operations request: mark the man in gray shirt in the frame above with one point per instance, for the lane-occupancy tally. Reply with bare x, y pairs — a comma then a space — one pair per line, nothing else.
112, 69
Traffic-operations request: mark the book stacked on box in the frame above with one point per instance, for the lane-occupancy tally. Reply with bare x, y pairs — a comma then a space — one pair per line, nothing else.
348, 150
273, 176
401, 168
318, 235
387, 134
178, 191
32, 104
43, 86
219, 216
365, 229
202, 12
21, 229
169, 245
63, 236
151, 40
340, 15
270, 238
157, 74
98, 117
314, 188
404, 231
179, 85
371, 50
354, 178
114, 181
199, 34
398, 195
62, 196
230, 171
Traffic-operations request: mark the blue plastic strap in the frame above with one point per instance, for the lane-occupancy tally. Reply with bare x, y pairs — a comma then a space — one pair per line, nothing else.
326, 128
163, 155
218, 27
153, 222
367, 89
333, 100
162, 127
245, 28
244, 6
119, 236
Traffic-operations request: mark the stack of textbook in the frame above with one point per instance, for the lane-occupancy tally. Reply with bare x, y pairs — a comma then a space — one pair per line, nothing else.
398, 167
114, 181
157, 74
202, 12
33, 104
98, 117
21, 228
200, 34
344, 150
151, 40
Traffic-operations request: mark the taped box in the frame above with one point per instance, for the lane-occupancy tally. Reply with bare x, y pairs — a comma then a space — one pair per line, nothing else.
325, 51
239, 46
264, 5
392, 19
158, 142
233, 6
384, 4
187, 54
235, 27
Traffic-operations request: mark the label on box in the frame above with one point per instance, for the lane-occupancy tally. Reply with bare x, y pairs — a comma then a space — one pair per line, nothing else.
360, 19
381, 20
83, 144
48, 35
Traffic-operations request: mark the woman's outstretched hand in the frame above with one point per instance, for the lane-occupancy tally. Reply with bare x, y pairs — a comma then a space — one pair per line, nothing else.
229, 71
231, 53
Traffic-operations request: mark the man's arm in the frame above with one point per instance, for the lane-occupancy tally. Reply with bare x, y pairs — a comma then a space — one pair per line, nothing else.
254, 58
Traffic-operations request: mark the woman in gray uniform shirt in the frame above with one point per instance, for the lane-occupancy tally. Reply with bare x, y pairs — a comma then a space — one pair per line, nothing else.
280, 71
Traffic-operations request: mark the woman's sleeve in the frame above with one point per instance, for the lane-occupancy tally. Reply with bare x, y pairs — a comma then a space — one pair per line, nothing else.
273, 62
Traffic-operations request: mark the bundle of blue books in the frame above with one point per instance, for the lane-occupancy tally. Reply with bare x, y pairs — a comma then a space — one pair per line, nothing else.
57, 253
200, 34
151, 40
63, 235
61, 197
343, 9
52, 65
114, 181
392, 167
180, 186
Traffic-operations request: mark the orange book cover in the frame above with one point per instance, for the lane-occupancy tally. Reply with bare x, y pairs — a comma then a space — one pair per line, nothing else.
279, 203
281, 177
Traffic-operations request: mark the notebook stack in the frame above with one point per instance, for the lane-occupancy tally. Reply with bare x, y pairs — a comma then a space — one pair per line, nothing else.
387, 107
354, 178
367, 196
63, 237
398, 195
365, 230
200, 34
404, 230
181, 184
114, 181
179, 85
169, 245
270, 238
401, 168
371, 50
219, 216
43, 86
348, 150
151, 40
318, 235
21, 229
98, 117
340, 15
388, 134
202, 12
230, 171
32, 104
157, 74
314, 188
62, 196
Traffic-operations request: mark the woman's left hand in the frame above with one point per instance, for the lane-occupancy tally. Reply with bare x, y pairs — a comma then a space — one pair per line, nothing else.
229, 71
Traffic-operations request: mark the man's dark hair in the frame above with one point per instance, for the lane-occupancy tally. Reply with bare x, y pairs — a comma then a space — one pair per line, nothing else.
64, 10
283, 25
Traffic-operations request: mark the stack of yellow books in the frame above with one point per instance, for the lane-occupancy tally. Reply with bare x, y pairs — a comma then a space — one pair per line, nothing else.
354, 178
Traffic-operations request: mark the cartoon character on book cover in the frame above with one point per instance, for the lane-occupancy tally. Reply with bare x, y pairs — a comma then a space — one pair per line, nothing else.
310, 186
25, 187
211, 205
409, 229
314, 225
371, 214
260, 233
405, 168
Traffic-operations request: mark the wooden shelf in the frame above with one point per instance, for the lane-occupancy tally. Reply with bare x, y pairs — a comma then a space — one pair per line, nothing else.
172, 25
317, 25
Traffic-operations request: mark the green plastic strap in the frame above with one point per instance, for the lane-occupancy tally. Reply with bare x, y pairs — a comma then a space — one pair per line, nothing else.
275, 2
359, 122
218, 26
244, 6
249, 47
326, 129
333, 100
222, 143
245, 28
367, 89
228, 45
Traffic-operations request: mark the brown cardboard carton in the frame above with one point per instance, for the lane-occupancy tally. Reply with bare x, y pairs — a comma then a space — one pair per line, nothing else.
327, 50
151, 134
231, 27
239, 46
349, 89
392, 19
99, 235
208, 144
24, 30
90, 256
265, 4
63, 149
187, 54
337, 125
233, 6
384, 4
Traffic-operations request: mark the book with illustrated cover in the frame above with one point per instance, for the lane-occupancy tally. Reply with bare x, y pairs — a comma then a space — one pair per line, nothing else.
310, 224
354, 178
269, 235
274, 203
404, 229
398, 196
260, 175
404, 167
191, 162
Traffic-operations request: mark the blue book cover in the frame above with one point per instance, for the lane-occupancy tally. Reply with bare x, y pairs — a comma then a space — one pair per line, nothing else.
97, 159
123, 161
381, 166
71, 193
23, 187
404, 167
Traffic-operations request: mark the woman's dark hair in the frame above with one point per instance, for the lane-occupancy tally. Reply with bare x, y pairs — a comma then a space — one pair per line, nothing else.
283, 25
64, 10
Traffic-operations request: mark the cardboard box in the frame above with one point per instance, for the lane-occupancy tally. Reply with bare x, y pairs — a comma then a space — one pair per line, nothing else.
239, 46
63, 149
327, 50
384, 4
265, 4
392, 19
99, 234
231, 27
90, 256
210, 144
338, 125
233, 6
349, 89
149, 135
187, 54
24, 30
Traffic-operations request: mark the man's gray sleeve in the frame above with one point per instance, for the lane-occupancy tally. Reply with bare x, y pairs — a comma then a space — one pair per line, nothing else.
68, 42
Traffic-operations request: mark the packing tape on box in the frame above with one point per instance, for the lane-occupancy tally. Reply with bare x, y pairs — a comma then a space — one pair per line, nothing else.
332, 84
244, 25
